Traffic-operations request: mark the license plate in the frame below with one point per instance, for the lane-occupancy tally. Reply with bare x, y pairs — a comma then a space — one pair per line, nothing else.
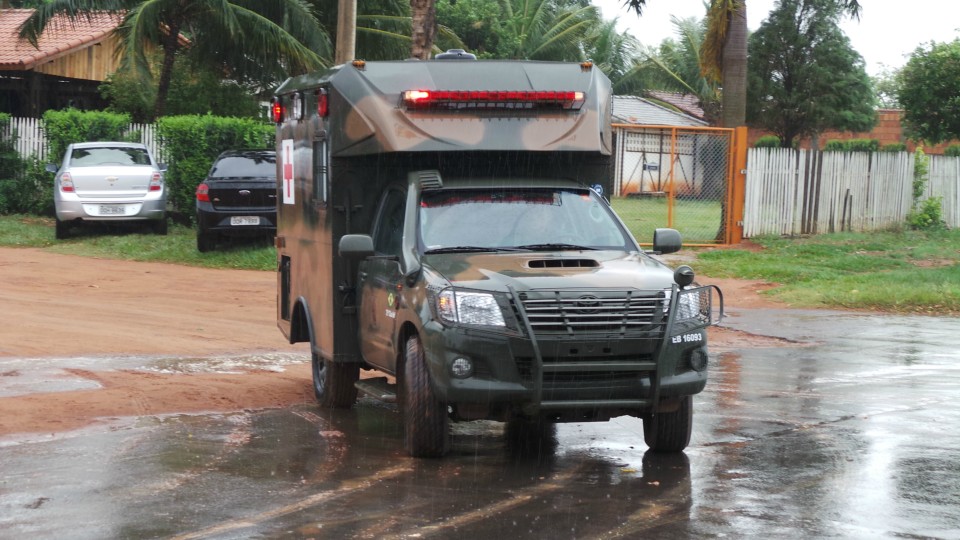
245, 220
112, 209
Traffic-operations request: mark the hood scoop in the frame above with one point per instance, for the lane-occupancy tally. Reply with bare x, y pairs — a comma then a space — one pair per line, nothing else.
563, 263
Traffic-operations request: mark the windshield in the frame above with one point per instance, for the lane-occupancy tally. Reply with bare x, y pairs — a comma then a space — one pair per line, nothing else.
536, 219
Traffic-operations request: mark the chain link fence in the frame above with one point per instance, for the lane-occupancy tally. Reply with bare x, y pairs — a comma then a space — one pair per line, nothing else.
673, 177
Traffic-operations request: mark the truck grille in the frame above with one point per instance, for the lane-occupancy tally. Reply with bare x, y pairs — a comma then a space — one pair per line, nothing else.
592, 312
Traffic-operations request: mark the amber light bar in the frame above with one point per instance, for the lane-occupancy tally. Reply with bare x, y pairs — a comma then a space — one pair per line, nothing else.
492, 99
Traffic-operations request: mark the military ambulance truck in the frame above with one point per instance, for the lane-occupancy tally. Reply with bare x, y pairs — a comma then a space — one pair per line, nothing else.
444, 222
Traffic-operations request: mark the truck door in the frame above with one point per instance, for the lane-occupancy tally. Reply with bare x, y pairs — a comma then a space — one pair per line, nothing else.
378, 283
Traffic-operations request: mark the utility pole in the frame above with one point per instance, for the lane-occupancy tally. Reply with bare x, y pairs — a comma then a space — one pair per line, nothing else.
346, 31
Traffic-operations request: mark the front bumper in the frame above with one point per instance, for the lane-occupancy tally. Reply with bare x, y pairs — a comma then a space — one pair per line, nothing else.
574, 377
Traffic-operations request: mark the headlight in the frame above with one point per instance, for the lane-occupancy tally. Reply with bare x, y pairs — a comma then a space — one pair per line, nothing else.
469, 308
693, 303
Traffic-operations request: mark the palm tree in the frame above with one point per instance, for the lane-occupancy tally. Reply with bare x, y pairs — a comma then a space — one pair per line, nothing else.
548, 29
242, 38
724, 52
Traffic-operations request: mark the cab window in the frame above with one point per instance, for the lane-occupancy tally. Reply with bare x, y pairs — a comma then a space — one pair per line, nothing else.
388, 237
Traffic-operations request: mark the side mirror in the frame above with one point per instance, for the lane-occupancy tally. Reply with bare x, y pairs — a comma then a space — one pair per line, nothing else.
51, 168
666, 241
162, 166
356, 246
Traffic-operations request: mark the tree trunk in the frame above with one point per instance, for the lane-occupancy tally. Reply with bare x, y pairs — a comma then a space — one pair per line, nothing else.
346, 31
171, 44
424, 22
735, 69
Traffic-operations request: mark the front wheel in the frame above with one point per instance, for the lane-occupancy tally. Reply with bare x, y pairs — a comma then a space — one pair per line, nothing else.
334, 382
670, 431
425, 421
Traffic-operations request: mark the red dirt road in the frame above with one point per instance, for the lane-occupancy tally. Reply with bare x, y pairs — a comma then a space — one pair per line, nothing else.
66, 306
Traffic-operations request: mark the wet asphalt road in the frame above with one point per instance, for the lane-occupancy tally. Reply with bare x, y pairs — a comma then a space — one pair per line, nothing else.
849, 429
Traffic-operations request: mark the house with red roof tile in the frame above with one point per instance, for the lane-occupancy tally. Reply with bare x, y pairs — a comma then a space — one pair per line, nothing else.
64, 69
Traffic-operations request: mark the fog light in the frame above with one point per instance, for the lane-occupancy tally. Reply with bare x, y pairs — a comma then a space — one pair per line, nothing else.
461, 368
698, 359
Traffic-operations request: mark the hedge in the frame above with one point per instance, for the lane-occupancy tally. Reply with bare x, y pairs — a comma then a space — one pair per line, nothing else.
70, 126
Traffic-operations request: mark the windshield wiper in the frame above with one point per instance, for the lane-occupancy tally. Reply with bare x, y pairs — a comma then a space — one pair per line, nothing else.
468, 249
555, 247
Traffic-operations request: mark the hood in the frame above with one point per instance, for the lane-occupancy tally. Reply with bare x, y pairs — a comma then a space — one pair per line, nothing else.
551, 270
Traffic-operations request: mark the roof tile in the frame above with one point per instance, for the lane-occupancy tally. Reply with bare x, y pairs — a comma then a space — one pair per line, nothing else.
60, 37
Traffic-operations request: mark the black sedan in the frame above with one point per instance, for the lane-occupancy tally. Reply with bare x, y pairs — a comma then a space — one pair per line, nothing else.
238, 197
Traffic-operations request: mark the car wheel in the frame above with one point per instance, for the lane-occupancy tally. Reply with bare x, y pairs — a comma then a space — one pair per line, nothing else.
206, 242
670, 431
425, 421
334, 382
160, 227
62, 230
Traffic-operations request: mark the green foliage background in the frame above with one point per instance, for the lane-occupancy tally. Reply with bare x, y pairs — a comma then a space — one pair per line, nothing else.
191, 143
69, 126
929, 92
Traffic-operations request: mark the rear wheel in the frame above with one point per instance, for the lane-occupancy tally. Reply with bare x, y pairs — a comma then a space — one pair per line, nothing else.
425, 421
333, 382
670, 431
205, 242
62, 229
160, 227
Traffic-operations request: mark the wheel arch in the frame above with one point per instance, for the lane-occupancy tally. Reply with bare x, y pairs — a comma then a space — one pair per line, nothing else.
301, 323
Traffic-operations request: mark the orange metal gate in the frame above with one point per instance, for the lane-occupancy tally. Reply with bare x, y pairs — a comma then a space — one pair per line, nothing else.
687, 178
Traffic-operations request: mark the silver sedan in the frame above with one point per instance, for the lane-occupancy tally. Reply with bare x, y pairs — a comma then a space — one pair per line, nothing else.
109, 181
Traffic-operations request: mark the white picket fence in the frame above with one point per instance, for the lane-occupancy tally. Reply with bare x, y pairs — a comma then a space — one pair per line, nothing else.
790, 192
32, 141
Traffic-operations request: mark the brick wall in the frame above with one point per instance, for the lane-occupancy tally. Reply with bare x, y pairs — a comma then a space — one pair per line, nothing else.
888, 131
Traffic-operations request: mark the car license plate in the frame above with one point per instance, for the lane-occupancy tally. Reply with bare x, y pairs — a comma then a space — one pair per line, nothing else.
245, 220
112, 209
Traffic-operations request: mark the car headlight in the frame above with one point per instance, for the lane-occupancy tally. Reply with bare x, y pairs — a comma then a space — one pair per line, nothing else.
692, 303
463, 307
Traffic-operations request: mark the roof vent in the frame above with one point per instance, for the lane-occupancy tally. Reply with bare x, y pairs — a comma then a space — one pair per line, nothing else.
455, 54
429, 180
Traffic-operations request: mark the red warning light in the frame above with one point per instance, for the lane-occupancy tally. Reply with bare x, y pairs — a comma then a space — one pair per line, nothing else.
276, 110
493, 99
323, 103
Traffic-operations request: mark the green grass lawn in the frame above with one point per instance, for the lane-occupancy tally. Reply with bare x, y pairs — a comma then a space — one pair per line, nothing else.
697, 220
900, 271
179, 246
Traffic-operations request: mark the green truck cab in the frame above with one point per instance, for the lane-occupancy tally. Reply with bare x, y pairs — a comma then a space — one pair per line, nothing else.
444, 223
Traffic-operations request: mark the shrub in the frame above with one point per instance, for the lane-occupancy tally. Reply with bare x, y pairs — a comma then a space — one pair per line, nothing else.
894, 147
191, 143
72, 126
29, 192
767, 141
953, 150
925, 214
852, 145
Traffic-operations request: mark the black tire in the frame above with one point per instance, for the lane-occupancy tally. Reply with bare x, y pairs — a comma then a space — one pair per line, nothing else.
425, 420
205, 242
334, 382
670, 432
62, 230
160, 227
531, 438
